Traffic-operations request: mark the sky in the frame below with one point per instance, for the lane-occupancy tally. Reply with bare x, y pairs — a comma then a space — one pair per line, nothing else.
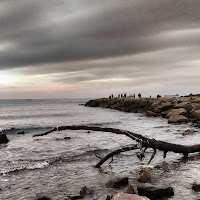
95, 48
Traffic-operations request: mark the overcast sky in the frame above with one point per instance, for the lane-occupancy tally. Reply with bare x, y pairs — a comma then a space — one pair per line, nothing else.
93, 48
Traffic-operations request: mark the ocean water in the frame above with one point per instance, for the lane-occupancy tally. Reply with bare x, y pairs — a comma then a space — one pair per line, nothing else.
56, 167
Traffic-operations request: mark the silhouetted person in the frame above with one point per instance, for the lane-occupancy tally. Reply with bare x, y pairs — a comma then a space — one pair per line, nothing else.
134, 96
125, 95
112, 96
158, 96
139, 95
150, 96
109, 97
122, 96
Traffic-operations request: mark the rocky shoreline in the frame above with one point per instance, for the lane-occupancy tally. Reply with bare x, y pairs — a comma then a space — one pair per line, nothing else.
177, 110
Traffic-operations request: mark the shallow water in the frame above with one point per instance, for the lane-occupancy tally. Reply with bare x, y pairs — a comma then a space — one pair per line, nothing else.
57, 167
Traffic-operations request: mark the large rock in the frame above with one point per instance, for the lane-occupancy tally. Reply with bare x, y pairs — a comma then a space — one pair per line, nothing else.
196, 114
144, 176
177, 119
117, 182
196, 187
3, 139
188, 132
181, 105
166, 106
154, 192
151, 114
130, 190
124, 196
180, 111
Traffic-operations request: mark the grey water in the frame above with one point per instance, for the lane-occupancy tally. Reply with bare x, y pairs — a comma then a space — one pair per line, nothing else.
56, 167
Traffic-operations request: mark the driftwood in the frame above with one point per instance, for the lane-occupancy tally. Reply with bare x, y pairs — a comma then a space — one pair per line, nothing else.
143, 142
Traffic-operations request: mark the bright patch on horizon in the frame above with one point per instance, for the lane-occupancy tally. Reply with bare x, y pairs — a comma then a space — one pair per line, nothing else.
7, 79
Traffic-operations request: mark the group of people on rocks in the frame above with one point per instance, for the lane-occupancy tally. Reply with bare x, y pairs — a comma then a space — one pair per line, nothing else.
133, 96
124, 96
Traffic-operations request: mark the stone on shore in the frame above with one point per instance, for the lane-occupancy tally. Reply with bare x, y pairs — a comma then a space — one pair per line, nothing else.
155, 192
130, 190
178, 119
180, 111
188, 132
196, 187
151, 114
3, 139
144, 176
125, 196
117, 182
196, 114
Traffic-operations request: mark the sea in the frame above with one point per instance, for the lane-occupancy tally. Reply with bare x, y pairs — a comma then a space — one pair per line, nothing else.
53, 166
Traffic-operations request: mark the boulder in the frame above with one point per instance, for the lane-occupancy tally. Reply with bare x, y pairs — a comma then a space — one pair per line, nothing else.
154, 192
117, 182
85, 191
151, 114
130, 190
144, 176
177, 119
166, 106
188, 132
181, 105
180, 111
21, 132
3, 138
124, 196
196, 114
196, 187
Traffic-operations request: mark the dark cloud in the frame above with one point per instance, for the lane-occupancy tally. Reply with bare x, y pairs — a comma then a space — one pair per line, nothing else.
87, 40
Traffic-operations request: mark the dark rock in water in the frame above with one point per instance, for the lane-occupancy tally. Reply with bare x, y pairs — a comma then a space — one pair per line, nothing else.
196, 187
144, 176
130, 190
44, 198
109, 197
85, 191
154, 192
151, 114
21, 132
3, 139
67, 138
74, 197
117, 183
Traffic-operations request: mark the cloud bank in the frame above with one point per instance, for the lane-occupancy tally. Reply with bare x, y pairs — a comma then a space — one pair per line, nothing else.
93, 48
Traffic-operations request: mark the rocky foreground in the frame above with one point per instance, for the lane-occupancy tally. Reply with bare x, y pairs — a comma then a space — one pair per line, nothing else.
177, 110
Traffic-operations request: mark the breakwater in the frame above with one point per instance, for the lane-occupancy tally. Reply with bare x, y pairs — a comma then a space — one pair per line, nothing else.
177, 110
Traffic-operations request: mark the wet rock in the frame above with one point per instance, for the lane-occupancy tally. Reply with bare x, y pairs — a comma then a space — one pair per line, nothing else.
75, 197
177, 119
21, 132
166, 106
124, 196
117, 182
3, 139
198, 125
196, 114
130, 190
43, 198
86, 191
151, 114
180, 111
188, 132
196, 187
67, 138
109, 197
154, 192
144, 176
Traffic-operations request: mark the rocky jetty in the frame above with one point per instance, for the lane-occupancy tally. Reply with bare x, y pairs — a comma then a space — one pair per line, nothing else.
177, 109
